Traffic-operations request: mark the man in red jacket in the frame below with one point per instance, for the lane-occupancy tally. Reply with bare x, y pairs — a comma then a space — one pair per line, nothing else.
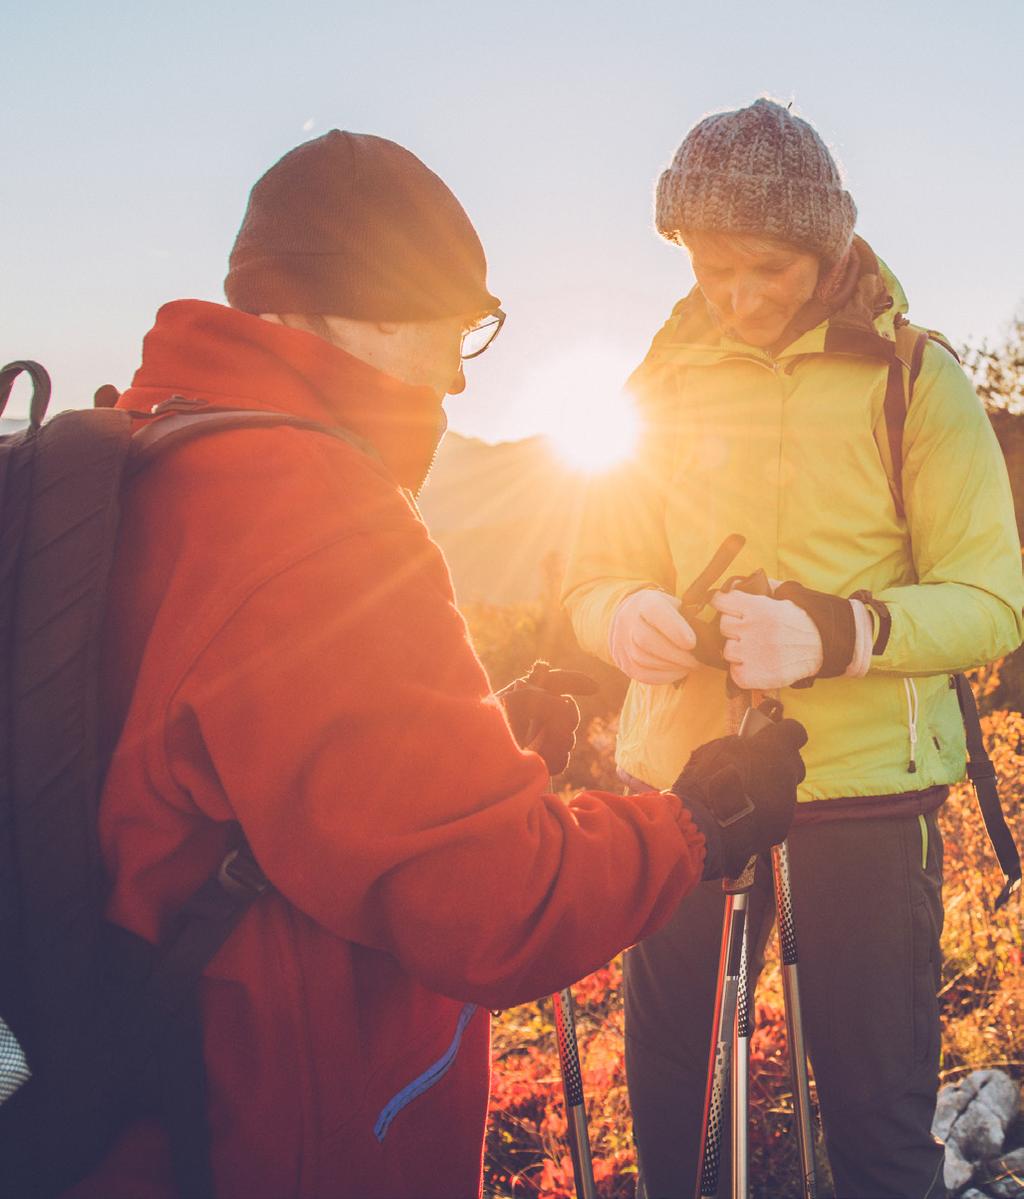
283, 654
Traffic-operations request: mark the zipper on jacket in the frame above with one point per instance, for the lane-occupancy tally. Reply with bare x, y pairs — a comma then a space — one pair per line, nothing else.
433, 1074
912, 709
765, 360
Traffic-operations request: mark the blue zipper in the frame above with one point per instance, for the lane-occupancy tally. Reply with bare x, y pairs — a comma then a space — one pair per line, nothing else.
426, 1080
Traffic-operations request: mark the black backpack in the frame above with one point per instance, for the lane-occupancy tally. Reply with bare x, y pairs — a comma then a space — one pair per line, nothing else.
104, 1023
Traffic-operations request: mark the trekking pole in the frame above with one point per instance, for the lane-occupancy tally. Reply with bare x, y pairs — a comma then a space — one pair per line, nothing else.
723, 1035
572, 1085
565, 1027
794, 1017
731, 1022
741, 1073
730, 1038
754, 719
572, 1088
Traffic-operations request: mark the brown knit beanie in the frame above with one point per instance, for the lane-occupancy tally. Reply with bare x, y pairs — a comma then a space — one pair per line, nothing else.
354, 225
758, 170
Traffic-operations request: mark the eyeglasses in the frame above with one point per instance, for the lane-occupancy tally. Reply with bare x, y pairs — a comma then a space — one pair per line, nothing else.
479, 337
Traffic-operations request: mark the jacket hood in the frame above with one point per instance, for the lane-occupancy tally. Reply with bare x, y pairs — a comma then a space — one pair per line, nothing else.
863, 322
233, 359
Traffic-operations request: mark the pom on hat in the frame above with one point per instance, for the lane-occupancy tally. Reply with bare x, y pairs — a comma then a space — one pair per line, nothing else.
758, 170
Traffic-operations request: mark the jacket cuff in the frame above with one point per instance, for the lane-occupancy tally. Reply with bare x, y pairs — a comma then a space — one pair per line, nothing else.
834, 620
708, 827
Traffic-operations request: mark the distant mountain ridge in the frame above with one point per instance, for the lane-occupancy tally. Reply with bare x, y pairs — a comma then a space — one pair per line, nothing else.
503, 514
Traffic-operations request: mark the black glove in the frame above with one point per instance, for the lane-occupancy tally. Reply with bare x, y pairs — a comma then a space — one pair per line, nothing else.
833, 618
741, 792
542, 714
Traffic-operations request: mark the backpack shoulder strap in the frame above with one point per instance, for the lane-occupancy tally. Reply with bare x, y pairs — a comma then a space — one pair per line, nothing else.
206, 920
904, 369
178, 422
982, 774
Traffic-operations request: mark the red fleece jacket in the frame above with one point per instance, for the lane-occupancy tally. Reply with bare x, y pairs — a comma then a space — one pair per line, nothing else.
302, 670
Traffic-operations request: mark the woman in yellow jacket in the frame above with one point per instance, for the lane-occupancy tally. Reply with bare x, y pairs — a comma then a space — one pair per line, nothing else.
762, 399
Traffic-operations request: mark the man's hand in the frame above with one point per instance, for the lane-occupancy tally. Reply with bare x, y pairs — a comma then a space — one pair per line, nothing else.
542, 714
741, 792
650, 640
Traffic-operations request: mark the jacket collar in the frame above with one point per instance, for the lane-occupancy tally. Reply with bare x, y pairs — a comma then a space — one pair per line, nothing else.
863, 324
233, 359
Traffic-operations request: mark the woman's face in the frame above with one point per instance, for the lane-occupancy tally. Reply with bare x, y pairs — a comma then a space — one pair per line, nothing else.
754, 285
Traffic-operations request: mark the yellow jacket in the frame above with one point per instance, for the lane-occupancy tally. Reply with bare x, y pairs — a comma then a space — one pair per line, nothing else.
786, 450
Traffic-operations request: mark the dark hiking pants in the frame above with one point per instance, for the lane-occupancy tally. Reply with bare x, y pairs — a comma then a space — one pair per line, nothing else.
867, 902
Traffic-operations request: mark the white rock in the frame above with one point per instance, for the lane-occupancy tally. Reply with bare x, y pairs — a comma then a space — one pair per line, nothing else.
951, 1102
997, 1090
979, 1130
955, 1171
1007, 1174
978, 1133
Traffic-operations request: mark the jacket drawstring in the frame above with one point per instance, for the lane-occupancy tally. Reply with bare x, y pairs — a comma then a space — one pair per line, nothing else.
911, 690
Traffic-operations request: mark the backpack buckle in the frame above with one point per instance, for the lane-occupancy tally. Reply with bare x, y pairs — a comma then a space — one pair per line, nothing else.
240, 873
178, 404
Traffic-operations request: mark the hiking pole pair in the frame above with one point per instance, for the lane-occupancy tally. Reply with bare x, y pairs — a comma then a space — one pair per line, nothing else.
732, 1024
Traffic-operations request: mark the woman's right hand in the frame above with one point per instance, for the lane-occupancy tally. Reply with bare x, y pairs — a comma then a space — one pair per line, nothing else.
650, 640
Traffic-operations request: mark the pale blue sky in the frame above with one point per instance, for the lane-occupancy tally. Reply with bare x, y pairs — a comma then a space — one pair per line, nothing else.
131, 133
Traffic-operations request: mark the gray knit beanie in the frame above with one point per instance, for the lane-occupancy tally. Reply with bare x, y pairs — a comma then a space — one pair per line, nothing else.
758, 170
353, 225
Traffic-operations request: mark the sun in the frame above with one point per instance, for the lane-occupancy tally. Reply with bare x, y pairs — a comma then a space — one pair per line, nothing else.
588, 419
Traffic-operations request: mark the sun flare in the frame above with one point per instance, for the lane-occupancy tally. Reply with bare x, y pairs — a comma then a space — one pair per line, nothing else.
587, 418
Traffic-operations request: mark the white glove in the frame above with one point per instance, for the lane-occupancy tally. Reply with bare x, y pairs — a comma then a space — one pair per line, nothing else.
773, 642
770, 643
649, 640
